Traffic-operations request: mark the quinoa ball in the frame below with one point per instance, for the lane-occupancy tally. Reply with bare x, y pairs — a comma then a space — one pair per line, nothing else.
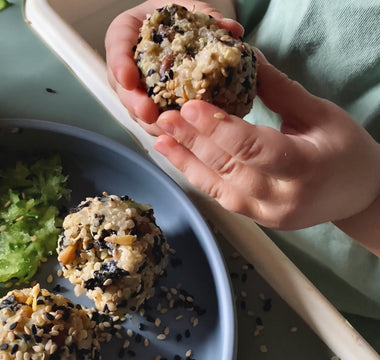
112, 249
35, 324
184, 55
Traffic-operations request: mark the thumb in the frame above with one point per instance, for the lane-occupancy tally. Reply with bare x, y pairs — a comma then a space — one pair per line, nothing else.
282, 95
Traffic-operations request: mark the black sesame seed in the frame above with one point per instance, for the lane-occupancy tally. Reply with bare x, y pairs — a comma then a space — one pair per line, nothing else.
131, 353
4, 346
229, 78
177, 357
244, 277
14, 349
50, 90
134, 47
267, 304
138, 338
171, 74
49, 316
150, 318
26, 337
164, 78
157, 38
150, 72
37, 338
187, 333
259, 321
142, 327
179, 337
13, 326
57, 288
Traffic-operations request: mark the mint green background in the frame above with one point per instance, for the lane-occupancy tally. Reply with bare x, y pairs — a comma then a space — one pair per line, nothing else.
28, 67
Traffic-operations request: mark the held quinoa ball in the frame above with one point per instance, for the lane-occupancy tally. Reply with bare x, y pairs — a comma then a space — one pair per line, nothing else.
35, 324
184, 55
112, 249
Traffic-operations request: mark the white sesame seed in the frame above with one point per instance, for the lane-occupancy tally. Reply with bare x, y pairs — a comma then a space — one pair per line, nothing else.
219, 115
188, 353
174, 291
263, 349
161, 337
107, 282
293, 329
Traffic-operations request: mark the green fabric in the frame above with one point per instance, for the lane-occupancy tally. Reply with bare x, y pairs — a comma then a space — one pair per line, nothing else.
251, 12
333, 49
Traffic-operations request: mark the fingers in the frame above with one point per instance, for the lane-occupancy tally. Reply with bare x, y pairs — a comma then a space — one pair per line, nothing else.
202, 177
213, 156
138, 104
263, 148
120, 38
233, 26
285, 96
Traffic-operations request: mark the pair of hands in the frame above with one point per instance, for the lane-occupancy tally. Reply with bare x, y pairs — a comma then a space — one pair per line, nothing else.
320, 167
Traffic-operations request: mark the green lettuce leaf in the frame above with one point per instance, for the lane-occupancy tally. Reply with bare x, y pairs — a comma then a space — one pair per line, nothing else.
30, 197
4, 4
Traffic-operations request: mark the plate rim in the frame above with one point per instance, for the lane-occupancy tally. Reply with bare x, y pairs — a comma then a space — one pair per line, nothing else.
213, 253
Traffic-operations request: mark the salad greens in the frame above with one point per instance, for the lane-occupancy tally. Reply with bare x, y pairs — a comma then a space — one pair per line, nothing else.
29, 215
4, 4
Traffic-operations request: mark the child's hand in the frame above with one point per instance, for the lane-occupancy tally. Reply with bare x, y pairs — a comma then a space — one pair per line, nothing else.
322, 166
123, 74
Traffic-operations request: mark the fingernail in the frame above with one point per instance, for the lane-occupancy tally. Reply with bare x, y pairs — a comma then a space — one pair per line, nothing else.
165, 125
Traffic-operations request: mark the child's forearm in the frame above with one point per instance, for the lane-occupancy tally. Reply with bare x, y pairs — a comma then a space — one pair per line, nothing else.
364, 227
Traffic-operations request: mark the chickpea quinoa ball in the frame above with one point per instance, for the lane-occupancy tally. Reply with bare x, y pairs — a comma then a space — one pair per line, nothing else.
184, 55
112, 249
35, 324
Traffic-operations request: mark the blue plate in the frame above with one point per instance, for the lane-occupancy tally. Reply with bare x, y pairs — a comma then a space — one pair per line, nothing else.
96, 164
